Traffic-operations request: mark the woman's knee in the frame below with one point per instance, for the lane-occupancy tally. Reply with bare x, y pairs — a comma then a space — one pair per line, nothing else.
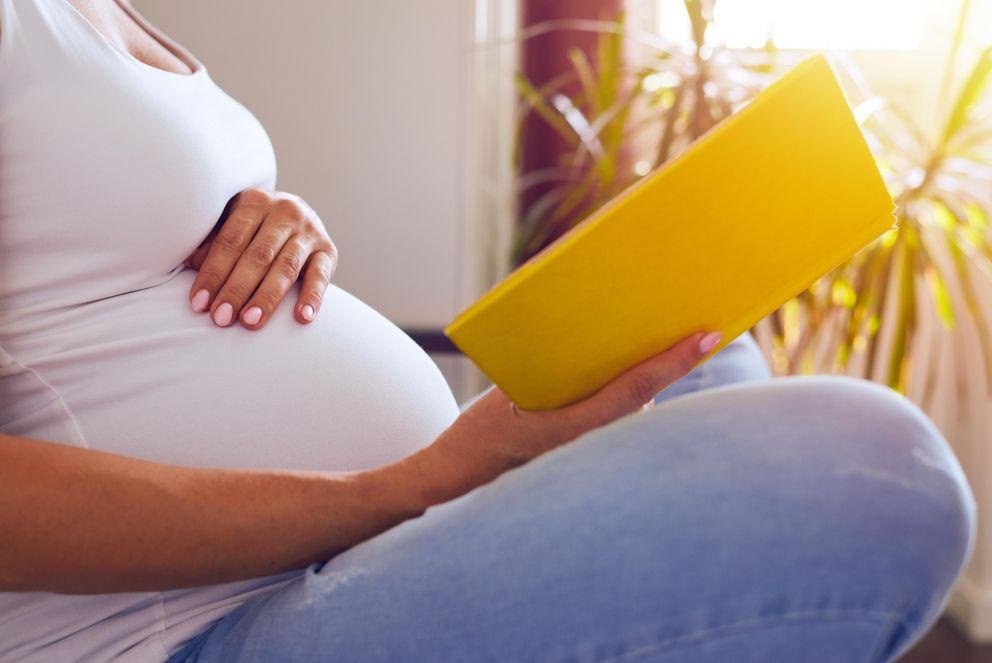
816, 495
865, 442
880, 476
914, 503
862, 459
859, 486
840, 422
886, 441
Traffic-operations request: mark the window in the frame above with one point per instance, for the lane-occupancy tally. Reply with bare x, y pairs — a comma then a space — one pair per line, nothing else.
805, 24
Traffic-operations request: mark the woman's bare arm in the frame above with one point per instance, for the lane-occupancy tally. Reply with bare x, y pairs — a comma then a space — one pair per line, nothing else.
76, 520
82, 521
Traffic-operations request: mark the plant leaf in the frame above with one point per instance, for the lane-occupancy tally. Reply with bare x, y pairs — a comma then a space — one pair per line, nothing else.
547, 112
970, 93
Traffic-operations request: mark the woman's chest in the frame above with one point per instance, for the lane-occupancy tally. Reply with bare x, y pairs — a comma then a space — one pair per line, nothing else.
108, 184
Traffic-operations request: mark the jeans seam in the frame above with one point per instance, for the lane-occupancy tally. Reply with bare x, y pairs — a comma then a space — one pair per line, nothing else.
899, 620
742, 626
884, 639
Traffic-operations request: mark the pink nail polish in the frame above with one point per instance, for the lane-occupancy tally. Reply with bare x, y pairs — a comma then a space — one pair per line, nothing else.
200, 300
252, 315
307, 312
224, 314
709, 342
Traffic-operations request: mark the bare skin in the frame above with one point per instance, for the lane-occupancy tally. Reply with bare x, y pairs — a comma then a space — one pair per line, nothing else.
112, 20
82, 521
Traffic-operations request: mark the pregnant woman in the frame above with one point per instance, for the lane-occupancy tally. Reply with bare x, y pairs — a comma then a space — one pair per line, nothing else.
191, 470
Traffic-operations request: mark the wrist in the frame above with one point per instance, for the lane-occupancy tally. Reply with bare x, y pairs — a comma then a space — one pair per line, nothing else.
442, 471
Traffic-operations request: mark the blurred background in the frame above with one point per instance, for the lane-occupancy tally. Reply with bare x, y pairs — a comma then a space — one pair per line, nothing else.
445, 141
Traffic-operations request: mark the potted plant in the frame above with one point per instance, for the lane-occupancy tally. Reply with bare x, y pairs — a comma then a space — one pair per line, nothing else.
641, 99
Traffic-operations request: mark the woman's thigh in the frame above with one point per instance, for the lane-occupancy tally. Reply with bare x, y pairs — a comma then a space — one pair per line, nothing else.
798, 519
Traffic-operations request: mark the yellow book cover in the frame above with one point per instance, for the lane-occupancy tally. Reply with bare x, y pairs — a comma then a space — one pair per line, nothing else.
748, 216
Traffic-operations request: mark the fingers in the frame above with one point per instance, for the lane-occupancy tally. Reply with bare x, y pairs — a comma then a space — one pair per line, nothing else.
232, 240
633, 389
281, 276
263, 244
317, 275
251, 268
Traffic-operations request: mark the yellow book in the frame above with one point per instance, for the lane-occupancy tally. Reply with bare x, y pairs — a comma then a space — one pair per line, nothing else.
747, 217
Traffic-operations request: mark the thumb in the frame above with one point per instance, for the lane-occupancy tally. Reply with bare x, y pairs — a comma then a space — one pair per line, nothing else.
629, 391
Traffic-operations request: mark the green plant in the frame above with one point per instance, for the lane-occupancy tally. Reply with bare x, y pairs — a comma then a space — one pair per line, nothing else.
864, 316
633, 111
871, 308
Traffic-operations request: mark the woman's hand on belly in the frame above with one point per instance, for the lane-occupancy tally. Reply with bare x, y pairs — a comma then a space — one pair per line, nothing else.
265, 241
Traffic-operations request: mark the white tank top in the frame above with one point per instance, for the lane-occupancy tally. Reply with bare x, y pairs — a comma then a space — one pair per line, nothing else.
111, 173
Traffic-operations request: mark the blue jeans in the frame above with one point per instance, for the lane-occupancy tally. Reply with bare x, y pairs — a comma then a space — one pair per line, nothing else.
741, 519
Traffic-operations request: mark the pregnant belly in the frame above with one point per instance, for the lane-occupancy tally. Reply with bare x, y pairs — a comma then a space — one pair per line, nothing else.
144, 376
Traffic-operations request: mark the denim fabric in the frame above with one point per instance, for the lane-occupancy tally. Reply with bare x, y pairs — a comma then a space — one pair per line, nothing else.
741, 519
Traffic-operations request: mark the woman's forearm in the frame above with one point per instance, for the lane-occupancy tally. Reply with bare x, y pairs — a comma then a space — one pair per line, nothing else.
81, 521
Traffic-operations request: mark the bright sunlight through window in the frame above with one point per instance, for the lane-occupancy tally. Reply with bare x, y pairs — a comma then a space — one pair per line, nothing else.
805, 24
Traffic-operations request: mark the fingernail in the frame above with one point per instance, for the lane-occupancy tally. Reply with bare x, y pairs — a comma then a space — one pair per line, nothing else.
307, 312
252, 315
200, 300
709, 342
224, 314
